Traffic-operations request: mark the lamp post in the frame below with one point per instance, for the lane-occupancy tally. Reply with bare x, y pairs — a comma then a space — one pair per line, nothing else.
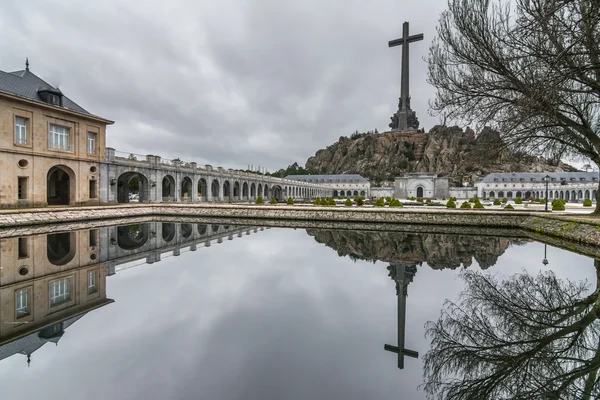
546, 199
545, 261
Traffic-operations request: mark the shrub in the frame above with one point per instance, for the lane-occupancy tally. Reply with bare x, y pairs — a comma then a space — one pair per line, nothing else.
273, 201
348, 203
537, 199
478, 205
230, 202
360, 201
260, 200
497, 202
543, 201
559, 206
317, 201
587, 203
396, 203
505, 200
331, 202
443, 199
380, 202
420, 199
450, 204
473, 200
428, 201
466, 204
509, 207
453, 199
518, 200
290, 201
388, 199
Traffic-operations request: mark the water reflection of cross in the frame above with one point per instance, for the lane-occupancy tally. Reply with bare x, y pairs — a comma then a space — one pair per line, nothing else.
402, 274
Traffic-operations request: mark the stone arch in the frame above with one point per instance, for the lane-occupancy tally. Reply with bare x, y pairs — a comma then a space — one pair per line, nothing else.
579, 195
186, 189
562, 194
168, 188
260, 190
215, 228
573, 195
426, 186
509, 195
492, 194
277, 192
202, 229
186, 231
61, 247
587, 194
202, 189
519, 194
252, 190
556, 194
226, 190
129, 183
236, 190
420, 191
501, 195
567, 195
245, 191
363, 193
168, 231
355, 193
215, 189
132, 237
335, 193
266, 191
61, 186
593, 195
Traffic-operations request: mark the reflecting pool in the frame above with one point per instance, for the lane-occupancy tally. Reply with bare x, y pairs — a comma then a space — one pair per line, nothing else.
159, 309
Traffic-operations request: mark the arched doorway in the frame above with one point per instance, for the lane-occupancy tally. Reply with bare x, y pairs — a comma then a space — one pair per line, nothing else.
260, 190
362, 193
226, 190
61, 247
132, 187
186, 189
131, 237
335, 193
253, 190
420, 191
277, 192
236, 190
202, 189
61, 186
266, 191
168, 188
245, 191
214, 190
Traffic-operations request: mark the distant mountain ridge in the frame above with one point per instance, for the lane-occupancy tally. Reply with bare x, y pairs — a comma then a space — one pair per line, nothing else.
461, 155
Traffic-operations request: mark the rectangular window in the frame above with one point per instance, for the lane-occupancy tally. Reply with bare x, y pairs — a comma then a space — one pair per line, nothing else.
20, 130
60, 291
22, 188
22, 302
23, 248
92, 282
58, 138
92, 189
93, 236
91, 143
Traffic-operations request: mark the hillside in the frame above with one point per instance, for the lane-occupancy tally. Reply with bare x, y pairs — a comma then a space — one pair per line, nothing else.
461, 155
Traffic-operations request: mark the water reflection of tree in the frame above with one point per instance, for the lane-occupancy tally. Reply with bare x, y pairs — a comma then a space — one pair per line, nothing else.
524, 337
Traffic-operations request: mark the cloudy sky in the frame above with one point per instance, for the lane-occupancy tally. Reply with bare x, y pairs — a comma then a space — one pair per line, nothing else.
228, 82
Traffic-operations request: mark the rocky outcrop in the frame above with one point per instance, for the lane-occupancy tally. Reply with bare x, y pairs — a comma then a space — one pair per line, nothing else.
461, 155
438, 251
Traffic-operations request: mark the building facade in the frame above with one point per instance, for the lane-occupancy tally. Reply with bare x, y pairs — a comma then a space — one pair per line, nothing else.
570, 186
420, 184
342, 185
50, 147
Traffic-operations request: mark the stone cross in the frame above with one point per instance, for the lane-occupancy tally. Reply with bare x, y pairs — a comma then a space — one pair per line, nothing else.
405, 118
403, 275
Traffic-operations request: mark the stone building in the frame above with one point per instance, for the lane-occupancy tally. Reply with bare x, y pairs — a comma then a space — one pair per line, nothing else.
570, 186
50, 147
342, 185
420, 184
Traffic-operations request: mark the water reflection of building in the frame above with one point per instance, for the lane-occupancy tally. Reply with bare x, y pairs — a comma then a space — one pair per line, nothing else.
48, 282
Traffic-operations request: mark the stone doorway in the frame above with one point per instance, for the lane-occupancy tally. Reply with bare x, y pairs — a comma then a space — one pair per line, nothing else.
61, 186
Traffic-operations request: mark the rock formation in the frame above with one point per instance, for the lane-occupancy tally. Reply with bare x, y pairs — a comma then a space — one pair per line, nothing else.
437, 250
462, 155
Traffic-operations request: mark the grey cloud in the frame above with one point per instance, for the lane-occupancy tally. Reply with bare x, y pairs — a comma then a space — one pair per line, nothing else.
229, 83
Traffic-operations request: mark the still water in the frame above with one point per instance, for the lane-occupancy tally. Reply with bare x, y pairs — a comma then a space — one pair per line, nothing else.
206, 311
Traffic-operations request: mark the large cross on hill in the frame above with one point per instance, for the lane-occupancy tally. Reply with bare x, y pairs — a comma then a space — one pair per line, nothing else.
405, 119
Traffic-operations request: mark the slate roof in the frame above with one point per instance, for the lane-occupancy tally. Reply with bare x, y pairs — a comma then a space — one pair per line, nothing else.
539, 177
326, 178
26, 84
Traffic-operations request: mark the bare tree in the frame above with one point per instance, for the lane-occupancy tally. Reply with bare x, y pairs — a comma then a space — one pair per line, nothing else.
522, 338
530, 71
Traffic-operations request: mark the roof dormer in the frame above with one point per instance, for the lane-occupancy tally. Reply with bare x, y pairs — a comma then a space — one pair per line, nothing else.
51, 96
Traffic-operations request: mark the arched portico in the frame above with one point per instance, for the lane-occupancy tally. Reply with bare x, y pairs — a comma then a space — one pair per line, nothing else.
168, 188
132, 183
186, 231
61, 247
227, 191
168, 231
61, 186
266, 196
245, 191
186, 189
236, 190
202, 189
277, 192
132, 237
215, 190
253, 190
